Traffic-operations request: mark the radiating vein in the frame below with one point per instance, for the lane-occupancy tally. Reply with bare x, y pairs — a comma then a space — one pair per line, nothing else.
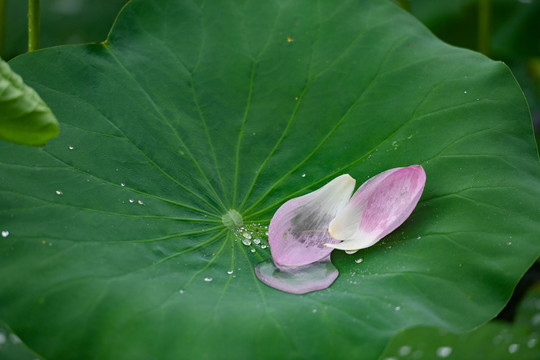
173, 129
197, 106
214, 258
105, 212
135, 190
327, 136
340, 170
289, 122
257, 282
248, 104
150, 161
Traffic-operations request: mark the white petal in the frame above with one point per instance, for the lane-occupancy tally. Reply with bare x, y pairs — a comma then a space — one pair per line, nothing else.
377, 208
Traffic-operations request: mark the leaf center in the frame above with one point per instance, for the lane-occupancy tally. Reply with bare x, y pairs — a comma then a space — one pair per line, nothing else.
232, 219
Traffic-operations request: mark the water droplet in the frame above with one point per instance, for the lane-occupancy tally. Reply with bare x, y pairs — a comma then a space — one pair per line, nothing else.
122, 184
359, 260
140, 202
465, 92
369, 156
444, 351
509, 243
532, 343
131, 201
404, 350
304, 175
314, 311
246, 242
71, 147
263, 246
5, 233
536, 319
181, 291
14, 339
397, 308
247, 235
256, 241
230, 272
59, 192
252, 250
208, 279
418, 238
513, 348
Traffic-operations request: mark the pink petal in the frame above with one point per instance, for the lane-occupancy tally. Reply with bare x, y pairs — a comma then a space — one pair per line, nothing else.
377, 208
299, 228
298, 280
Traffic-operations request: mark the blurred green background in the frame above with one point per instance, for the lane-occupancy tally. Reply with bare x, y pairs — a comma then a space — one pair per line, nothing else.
62, 22
509, 30
513, 33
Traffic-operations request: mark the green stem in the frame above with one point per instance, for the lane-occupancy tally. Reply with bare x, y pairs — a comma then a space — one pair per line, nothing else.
484, 26
2, 25
33, 25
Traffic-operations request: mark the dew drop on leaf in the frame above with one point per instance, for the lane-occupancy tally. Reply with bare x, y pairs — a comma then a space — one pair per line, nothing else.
14, 339
404, 350
513, 348
5, 233
444, 351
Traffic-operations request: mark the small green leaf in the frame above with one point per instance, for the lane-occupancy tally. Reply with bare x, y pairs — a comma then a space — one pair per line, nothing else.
496, 340
24, 116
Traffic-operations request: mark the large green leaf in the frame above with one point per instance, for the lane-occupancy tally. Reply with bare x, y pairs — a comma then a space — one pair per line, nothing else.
116, 249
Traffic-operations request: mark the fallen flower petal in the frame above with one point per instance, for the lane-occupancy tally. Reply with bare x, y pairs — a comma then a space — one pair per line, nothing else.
299, 228
377, 208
